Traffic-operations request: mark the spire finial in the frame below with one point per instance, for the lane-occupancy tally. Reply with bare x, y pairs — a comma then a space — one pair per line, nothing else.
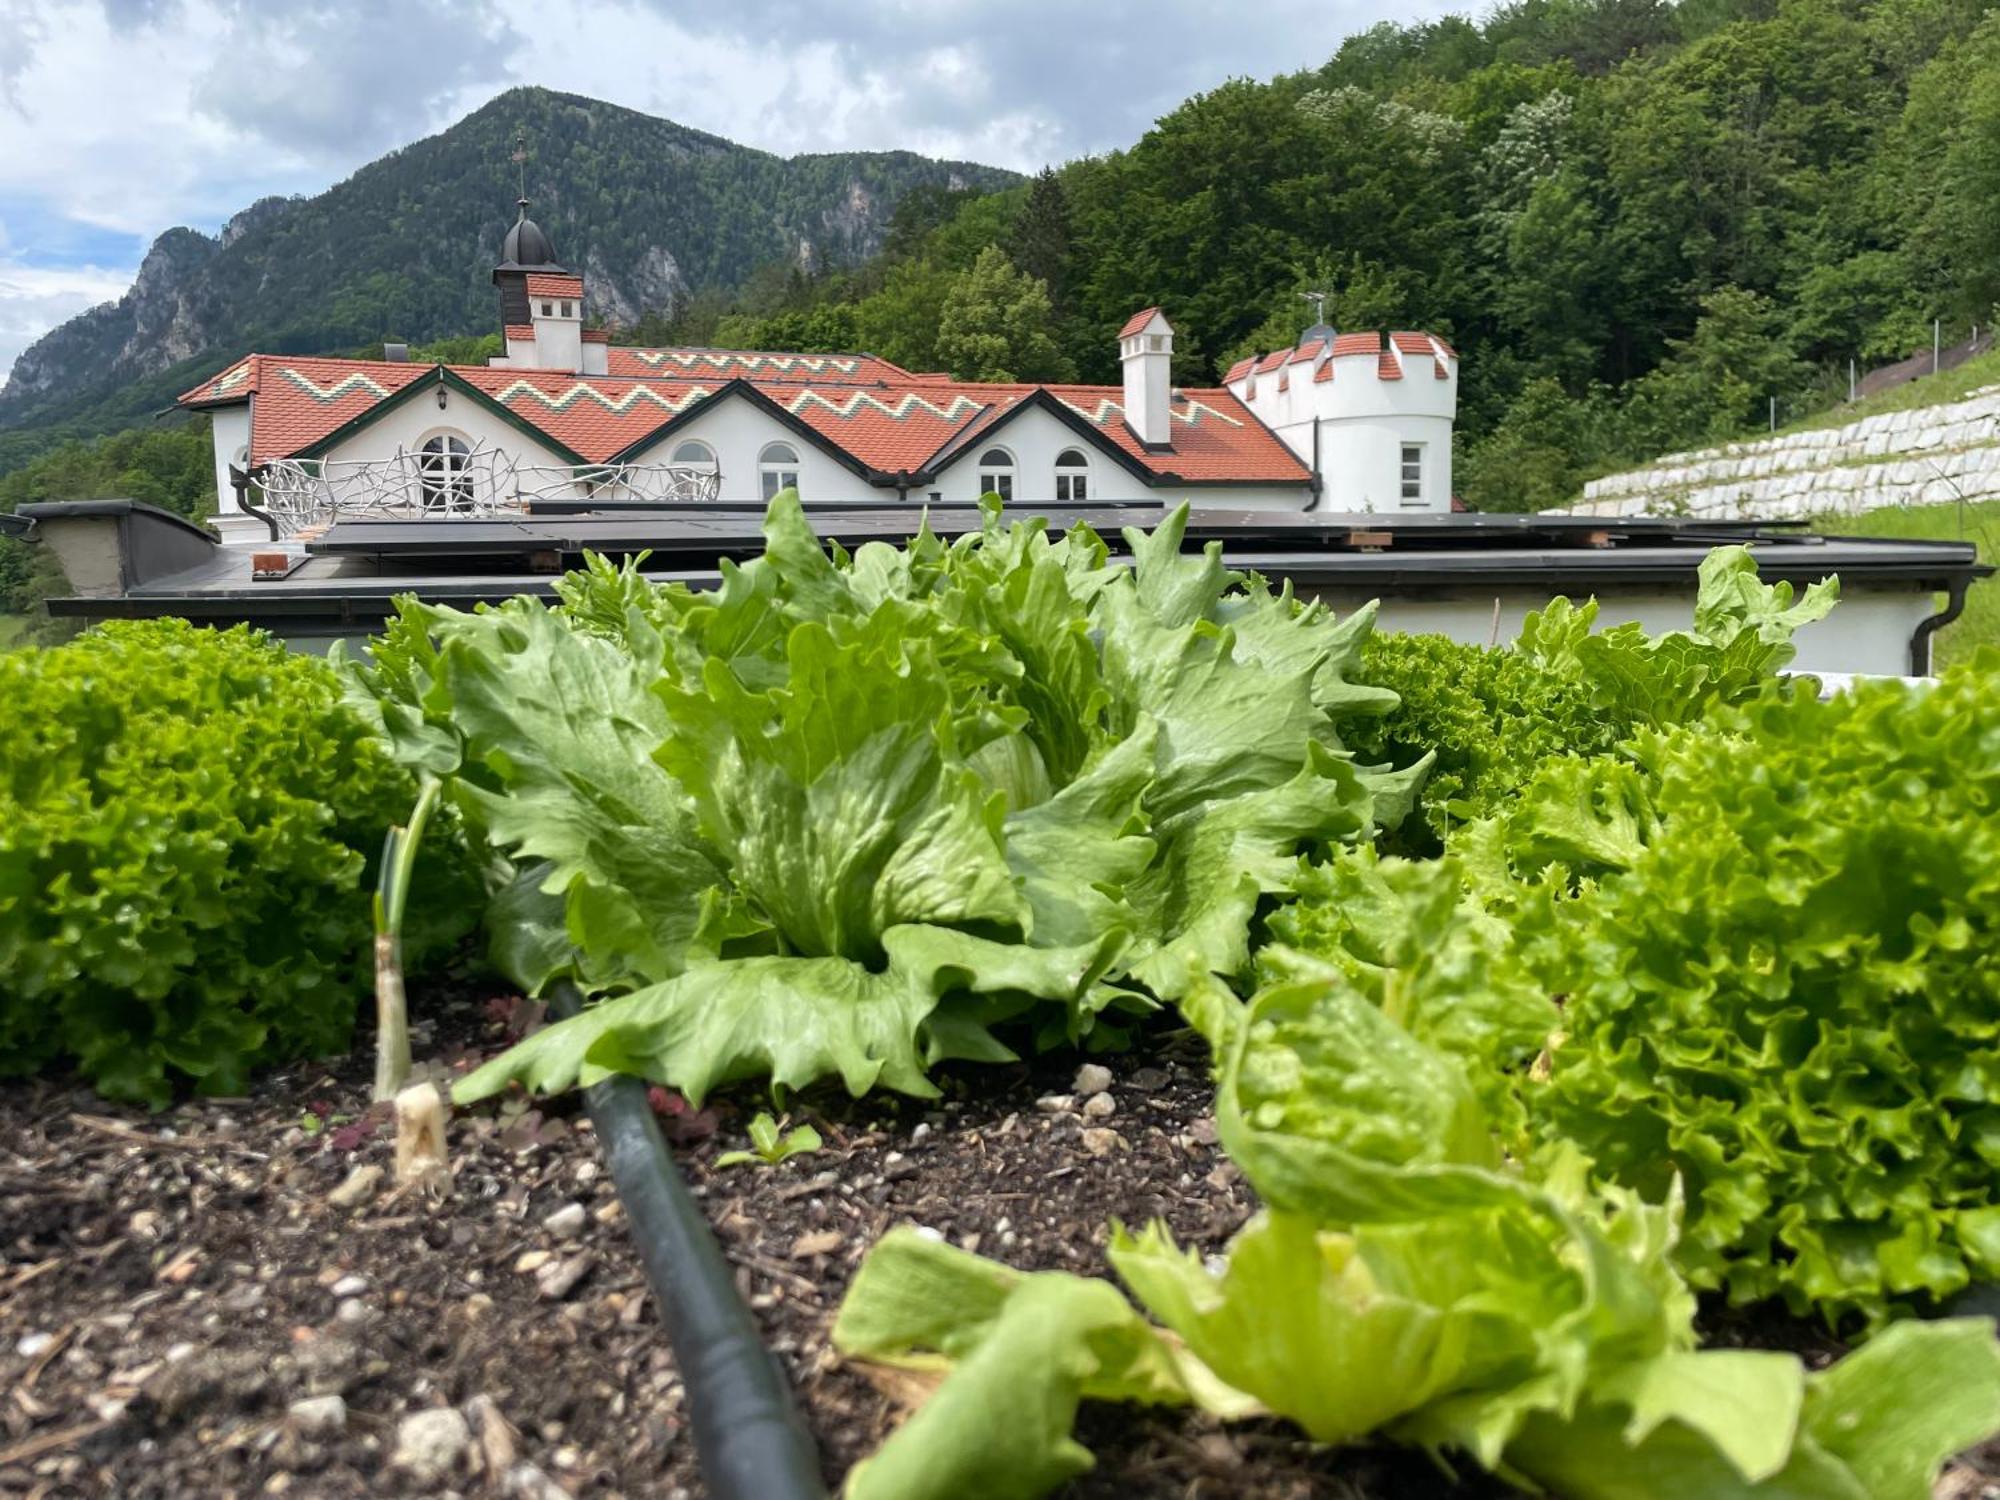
521, 161
1318, 300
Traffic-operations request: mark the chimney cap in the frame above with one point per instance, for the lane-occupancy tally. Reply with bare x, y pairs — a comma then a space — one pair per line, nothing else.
1141, 320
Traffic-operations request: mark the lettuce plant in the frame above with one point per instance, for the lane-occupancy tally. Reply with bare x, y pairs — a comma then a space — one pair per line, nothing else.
843, 815
1406, 1280
1742, 636
1781, 988
187, 819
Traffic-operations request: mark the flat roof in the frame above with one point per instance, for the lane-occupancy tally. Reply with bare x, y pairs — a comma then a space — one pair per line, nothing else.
345, 582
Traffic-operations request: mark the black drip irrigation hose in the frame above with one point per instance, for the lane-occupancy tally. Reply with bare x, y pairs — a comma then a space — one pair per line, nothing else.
752, 1441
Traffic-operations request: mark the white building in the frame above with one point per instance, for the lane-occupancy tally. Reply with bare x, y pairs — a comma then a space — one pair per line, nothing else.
1341, 423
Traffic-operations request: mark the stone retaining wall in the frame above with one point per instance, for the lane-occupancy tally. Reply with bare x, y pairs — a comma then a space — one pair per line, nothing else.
1930, 455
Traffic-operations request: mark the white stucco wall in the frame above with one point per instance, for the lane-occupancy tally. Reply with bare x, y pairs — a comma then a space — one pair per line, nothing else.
1869, 632
1035, 437
231, 427
1363, 422
419, 417
739, 432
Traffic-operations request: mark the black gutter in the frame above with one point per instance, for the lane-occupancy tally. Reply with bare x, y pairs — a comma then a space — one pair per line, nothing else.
1920, 638
752, 1442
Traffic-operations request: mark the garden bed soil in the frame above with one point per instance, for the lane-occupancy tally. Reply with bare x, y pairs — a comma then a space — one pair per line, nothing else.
214, 1302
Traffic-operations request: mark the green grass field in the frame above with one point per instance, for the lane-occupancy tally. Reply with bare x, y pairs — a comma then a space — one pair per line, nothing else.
1926, 390
1980, 624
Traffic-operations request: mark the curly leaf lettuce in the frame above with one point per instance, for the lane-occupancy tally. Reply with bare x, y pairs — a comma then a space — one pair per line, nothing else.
1784, 994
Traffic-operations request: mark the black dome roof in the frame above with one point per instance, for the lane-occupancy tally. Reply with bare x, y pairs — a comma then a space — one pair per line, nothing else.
526, 247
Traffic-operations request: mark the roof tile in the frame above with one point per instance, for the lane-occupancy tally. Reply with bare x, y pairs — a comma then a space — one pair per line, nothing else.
1137, 321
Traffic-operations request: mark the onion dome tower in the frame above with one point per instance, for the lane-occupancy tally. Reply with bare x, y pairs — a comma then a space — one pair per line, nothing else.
526, 251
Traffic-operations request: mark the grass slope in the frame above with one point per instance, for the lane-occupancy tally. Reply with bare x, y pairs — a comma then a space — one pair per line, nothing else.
1980, 523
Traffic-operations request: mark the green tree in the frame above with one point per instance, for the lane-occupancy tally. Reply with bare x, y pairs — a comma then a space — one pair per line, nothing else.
995, 325
1040, 245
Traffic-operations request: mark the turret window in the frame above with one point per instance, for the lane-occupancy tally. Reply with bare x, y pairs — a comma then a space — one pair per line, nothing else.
1413, 474
443, 472
1072, 477
548, 309
569, 309
778, 469
996, 473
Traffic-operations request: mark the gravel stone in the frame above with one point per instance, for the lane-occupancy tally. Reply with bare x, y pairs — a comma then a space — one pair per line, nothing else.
432, 1445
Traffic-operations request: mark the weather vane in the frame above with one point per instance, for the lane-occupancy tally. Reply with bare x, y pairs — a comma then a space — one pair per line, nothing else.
1318, 300
521, 159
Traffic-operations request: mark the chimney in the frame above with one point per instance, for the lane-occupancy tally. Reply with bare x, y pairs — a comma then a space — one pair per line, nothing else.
1146, 346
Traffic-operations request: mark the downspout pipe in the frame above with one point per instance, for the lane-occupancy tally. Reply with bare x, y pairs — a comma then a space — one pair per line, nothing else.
240, 482
752, 1442
1920, 638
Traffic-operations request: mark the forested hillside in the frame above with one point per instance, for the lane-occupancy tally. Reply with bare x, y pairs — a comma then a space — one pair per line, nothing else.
649, 210
1640, 222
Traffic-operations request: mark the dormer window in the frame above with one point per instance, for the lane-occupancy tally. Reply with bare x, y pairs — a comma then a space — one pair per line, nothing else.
778, 469
1072, 477
443, 477
568, 310
996, 473
548, 309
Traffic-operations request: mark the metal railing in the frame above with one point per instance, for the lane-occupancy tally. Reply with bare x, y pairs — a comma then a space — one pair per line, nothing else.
295, 495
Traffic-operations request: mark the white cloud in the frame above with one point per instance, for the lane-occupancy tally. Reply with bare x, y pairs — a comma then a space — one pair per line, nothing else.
137, 115
33, 299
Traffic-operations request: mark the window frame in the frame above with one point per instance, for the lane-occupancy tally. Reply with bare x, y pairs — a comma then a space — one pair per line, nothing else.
679, 460
775, 474
444, 483
997, 478
1072, 475
1410, 473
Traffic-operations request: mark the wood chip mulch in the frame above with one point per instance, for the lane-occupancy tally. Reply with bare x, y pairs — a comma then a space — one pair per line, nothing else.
229, 1299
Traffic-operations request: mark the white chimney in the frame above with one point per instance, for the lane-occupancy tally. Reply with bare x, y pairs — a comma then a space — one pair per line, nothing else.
1146, 345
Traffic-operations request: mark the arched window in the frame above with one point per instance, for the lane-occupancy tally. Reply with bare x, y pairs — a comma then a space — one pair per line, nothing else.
694, 454
996, 473
1072, 477
778, 469
442, 472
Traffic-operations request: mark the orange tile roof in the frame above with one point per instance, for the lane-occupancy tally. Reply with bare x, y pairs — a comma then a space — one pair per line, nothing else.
1413, 343
1308, 351
548, 284
1241, 368
1323, 373
300, 399
520, 330
892, 426
1137, 321
1272, 360
1386, 367
597, 335
755, 364
1357, 343
593, 415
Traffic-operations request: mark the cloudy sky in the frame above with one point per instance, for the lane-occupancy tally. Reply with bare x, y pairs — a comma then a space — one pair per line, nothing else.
121, 118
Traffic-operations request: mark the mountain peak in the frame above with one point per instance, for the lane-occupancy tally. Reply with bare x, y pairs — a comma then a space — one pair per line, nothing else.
655, 210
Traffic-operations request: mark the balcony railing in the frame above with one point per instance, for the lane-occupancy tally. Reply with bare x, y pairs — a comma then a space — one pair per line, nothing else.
301, 495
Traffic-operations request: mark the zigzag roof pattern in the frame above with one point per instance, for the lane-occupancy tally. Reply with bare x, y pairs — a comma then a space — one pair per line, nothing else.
755, 364
900, 425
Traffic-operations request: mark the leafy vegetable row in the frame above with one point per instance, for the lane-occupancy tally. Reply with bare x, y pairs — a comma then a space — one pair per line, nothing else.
844, 816
1405, 1279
